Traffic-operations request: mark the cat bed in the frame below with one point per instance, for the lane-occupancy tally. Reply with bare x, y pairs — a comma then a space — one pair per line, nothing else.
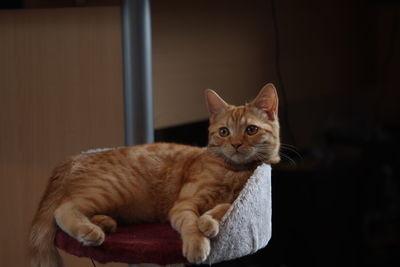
145, 243
245, 228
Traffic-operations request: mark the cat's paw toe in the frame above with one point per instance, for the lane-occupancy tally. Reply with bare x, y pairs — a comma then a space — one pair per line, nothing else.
208, 226
196, 249
108, 224
91, 235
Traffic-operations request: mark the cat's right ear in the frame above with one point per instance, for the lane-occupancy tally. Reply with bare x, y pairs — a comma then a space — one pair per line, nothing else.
215, 104
267, 100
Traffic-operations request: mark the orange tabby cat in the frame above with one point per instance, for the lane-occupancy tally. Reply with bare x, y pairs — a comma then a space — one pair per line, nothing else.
191, 187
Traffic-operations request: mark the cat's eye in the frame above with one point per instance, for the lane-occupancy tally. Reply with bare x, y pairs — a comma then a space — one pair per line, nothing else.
223, 131
251, 129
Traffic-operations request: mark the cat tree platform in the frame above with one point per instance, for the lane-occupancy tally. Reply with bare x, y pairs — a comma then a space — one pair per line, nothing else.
245, 228
146, 243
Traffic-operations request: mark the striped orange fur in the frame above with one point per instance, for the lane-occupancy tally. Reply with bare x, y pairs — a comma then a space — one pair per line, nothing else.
191, 187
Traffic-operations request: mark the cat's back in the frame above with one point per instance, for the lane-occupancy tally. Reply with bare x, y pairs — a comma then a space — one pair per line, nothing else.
155, 159
164, 150
156, 156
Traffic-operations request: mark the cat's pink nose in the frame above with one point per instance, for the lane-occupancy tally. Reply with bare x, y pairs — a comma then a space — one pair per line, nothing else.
236, 146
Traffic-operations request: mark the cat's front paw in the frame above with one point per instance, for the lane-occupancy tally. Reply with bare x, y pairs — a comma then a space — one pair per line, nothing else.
208, 225
108, 224
90, 235
196, 248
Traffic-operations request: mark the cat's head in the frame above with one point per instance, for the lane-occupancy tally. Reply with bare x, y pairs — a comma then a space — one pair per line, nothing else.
246, 134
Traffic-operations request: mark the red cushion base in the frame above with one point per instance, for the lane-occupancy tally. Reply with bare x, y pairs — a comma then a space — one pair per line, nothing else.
146, 243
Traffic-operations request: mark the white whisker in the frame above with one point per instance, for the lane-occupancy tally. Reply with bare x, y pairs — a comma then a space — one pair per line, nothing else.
293, 150
291, 161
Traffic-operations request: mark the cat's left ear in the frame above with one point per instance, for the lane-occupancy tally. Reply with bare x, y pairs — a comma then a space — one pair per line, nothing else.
267, 100
215, 104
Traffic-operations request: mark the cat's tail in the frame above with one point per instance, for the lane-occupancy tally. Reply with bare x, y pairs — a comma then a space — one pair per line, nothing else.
42, 250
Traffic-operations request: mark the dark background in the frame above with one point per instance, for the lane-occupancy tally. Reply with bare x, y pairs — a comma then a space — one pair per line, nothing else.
336, 194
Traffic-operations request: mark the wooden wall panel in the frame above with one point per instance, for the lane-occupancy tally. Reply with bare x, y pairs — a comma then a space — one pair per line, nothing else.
224, 45
60, 94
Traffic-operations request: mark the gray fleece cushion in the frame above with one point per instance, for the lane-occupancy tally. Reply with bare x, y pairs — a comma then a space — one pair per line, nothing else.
246, 227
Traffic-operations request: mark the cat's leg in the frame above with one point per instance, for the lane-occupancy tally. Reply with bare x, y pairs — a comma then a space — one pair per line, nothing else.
108, 224
208, 223
183, 217
75, 223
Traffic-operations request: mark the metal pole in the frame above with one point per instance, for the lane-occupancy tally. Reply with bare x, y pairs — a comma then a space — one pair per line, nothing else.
136, 39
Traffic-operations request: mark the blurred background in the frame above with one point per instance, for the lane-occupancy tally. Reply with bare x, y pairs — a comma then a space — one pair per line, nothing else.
336, 64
